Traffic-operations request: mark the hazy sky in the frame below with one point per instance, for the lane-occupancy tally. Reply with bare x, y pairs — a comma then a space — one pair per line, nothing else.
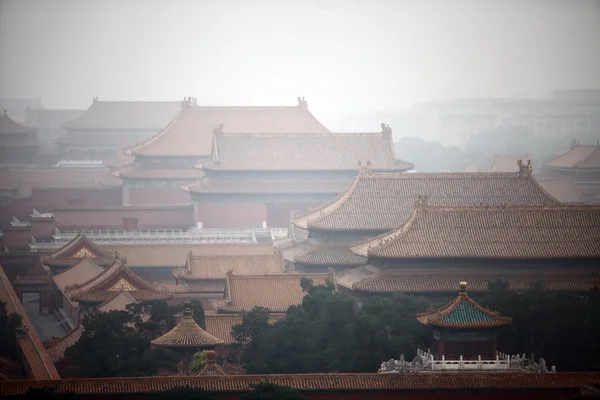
341, 55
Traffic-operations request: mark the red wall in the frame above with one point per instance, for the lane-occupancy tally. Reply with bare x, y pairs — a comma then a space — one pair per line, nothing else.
52, 198
16, 237
42, 227
231, 215
278, 214
155, 196
148, 218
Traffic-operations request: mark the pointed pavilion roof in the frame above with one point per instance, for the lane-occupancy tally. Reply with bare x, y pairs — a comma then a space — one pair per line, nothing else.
113, 279
187, 335
190, 134
118, 302
81, 246
463, 312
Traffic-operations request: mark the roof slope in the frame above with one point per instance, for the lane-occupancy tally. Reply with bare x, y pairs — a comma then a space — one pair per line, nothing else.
384, 201
219, 325
305, 152
562, 188
113, 279
462, 312
187, 334
579, 156
217, 267
275, 292
191, 132
38, 360
9, 127
84, 270
126, 115
58, 348
517, 232
118, 302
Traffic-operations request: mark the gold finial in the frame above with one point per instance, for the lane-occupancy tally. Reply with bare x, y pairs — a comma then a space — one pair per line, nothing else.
463, 287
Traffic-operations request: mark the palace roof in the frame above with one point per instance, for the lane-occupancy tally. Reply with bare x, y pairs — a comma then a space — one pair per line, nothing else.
187, 334
383, 201
563, 188
9, 127
311, 252
219, 325
200, 267
126, 115
118, 302
137, 171
303, 152
371, 279
463, 312
42, 118
275, 292
506, 232
113, 279
412, 383
578, 157
175, 255
190, 134
77, 249
507, 163
31, 346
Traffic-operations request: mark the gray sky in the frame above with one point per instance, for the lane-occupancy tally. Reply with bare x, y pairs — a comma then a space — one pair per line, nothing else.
341, 55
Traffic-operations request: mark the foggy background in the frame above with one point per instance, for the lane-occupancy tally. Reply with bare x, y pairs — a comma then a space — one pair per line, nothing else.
347, 57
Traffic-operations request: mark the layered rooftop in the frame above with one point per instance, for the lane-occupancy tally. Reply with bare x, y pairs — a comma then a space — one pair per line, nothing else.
585, 157
463, 312
496, 232
381, 202
187, 334
78, 248
125, 115
190, 134
201, 267
322, 151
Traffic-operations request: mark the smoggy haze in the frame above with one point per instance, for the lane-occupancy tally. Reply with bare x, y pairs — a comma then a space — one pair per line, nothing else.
340, 55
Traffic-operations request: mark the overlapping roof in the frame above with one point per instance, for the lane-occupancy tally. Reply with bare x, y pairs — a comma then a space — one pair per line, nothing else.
275, 292
77, 274
303, 152
9, 127
578, 157
201, 267
77, 249
190, 134
505, 232
118, 302
381, 202
463, 312
187, 334
219, 325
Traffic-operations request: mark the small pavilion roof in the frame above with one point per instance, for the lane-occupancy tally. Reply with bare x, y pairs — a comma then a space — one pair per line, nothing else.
81, 246
463, 312
187, 334
113, 279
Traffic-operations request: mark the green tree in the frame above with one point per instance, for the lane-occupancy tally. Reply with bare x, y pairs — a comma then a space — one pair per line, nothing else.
110, 346
198, 361
253, 323
9, 324
268, 390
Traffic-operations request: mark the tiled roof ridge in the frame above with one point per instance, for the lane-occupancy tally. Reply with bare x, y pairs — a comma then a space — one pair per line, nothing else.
10, 126
434, 317
580, 163
132, 151
294, 135
86, 258
65, 337
318, 382
387, 238
302, 221
29, 339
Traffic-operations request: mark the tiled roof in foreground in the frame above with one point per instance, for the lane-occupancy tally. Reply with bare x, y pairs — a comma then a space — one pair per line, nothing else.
319, 382
385, 201
463, 312
511, 232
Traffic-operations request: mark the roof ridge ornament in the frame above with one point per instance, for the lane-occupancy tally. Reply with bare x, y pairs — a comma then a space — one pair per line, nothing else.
525, 169
94, 99
219, 128
422, 201
302, 102
463, 288
385, 128
364, 169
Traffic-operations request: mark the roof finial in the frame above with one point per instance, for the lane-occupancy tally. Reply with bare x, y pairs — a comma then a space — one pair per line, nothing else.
187, 310
422, 200
463, 287
4, 113
302, 102
385, 128
211, 357
95, 99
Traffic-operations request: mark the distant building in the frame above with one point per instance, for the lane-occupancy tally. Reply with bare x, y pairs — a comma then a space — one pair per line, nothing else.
18, 144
